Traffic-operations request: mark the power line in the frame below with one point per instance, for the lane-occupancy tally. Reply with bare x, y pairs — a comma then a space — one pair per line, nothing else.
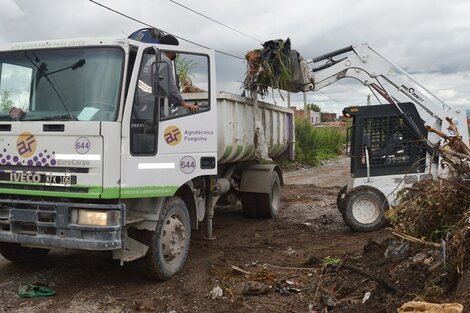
215, 21
360, 92
179, 37
332, 98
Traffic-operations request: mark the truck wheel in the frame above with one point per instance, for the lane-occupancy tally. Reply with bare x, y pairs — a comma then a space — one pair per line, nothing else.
169, 243
16, 253
263, 205
365, 208
341, 199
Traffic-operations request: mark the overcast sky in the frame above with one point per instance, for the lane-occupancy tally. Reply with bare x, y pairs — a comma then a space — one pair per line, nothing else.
428, 38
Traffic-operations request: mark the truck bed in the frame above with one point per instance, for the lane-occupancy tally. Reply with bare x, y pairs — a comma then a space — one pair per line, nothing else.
236, 127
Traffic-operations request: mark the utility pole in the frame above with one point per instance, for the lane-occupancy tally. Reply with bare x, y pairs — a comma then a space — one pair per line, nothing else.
306, 111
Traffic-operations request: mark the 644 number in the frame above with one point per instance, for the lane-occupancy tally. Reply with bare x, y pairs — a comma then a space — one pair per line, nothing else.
187, 165
82, 145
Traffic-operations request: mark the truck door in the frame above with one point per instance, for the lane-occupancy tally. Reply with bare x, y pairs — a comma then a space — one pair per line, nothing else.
168, 145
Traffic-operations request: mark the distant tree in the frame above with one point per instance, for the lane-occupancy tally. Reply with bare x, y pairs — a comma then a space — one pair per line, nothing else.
313, 107
6, 101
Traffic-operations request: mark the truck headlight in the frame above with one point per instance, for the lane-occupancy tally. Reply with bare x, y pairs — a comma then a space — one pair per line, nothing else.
95, 217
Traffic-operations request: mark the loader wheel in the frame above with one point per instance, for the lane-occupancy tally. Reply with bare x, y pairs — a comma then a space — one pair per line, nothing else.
364, 209
263, 205
18, 254
341, 199
169, 243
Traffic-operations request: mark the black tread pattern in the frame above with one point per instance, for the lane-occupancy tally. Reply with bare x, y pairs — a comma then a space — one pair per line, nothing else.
153, 265
381, 201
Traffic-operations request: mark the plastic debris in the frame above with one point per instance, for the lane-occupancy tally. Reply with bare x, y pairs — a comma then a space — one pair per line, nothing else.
35, 291
397, 250
366, 297
286, 287
216, 293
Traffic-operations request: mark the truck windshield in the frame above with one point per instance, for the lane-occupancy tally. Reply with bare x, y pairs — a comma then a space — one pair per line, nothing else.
80, 84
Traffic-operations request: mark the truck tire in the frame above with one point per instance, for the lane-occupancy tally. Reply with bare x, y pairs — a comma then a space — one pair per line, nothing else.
341, 199
263, 205
169, 243
18, 254
365, 209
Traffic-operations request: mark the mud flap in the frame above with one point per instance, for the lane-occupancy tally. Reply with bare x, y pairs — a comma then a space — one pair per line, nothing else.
257, 178
131, 250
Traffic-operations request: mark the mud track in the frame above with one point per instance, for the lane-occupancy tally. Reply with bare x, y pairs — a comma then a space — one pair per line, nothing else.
283, 257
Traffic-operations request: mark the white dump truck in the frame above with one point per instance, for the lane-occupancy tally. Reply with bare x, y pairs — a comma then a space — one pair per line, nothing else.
93, 157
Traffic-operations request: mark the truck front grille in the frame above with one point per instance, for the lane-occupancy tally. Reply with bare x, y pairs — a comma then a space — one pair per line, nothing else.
16, 168
44, 188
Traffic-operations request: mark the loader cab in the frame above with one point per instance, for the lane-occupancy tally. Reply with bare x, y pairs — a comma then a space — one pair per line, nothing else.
380, 142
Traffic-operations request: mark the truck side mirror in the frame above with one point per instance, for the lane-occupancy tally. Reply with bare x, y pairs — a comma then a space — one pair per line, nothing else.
162, 79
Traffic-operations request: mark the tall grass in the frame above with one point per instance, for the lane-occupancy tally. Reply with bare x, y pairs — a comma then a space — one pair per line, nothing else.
316, 144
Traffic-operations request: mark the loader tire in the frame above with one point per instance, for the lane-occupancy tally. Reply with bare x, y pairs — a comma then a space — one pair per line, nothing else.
365, 209
169, 243
263, 205
341, 199
18, 254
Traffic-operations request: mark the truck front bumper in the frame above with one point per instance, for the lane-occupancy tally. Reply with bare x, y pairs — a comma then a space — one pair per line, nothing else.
49, 224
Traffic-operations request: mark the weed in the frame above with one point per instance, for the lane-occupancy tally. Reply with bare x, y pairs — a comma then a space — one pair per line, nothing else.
331, 261
316, 144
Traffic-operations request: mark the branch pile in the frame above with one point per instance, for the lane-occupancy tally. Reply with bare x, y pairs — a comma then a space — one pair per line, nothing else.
437, 210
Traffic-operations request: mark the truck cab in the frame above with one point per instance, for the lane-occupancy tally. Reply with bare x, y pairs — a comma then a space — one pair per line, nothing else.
84, 138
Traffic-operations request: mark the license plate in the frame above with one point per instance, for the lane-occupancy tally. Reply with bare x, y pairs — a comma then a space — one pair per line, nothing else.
55, 179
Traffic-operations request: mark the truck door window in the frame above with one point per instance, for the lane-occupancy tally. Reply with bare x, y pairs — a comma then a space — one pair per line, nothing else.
191, 81
143, 119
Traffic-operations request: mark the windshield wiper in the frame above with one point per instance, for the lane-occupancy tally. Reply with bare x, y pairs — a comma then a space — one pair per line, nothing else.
63, 117
42, 72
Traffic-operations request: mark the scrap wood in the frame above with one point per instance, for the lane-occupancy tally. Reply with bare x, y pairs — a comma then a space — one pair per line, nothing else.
455, 141
288, 267
236, 268
462, 147
416, 240
452, 153
456, 182
381, 281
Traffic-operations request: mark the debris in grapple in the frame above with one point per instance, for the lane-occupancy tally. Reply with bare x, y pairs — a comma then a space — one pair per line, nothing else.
276, 66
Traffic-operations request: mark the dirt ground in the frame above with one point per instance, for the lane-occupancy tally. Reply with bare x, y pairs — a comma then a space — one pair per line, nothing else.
287, 264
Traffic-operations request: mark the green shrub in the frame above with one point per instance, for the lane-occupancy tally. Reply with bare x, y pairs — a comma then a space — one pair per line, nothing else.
316, 144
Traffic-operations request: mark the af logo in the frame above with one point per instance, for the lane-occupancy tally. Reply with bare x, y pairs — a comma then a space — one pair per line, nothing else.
26, 145
172, 135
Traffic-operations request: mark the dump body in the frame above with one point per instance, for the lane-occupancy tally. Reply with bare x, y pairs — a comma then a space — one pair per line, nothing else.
236, 131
